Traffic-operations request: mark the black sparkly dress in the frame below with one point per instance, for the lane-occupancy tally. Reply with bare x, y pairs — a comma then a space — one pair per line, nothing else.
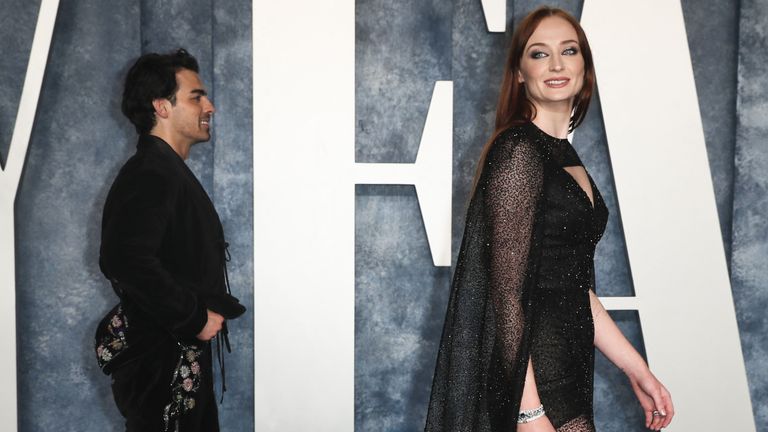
520, 291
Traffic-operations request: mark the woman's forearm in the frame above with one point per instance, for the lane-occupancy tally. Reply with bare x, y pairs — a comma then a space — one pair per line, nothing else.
611, 341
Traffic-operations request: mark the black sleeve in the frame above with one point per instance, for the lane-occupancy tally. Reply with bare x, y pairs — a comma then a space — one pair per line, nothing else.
139, 210
514, 183
480, 369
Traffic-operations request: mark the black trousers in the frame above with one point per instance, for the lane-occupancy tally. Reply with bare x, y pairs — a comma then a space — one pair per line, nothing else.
142, 389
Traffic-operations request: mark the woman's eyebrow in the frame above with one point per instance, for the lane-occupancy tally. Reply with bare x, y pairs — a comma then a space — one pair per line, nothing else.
565, 42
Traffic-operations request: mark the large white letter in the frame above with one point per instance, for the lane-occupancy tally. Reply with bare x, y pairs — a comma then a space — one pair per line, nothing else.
9, 183
664, 187
495, 13
303, 156
304, 209
431, 173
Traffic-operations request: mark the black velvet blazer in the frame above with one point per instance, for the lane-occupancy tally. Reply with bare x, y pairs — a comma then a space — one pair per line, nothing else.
162, 246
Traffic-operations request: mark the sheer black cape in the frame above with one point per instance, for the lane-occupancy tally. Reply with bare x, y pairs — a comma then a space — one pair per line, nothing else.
485, 344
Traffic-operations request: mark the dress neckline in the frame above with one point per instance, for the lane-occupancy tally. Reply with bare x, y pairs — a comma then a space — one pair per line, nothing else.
543, 135
558, 150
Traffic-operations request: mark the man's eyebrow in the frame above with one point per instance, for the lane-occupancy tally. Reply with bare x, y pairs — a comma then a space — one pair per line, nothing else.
200, 92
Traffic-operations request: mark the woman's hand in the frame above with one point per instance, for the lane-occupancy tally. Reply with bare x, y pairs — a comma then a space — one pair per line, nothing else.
541, 424
654, 398
652, 395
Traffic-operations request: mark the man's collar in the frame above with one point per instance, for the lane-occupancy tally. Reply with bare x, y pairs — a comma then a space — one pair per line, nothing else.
153, 141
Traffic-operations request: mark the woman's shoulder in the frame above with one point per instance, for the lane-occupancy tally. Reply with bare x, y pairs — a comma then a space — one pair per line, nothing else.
515, 134
514, 141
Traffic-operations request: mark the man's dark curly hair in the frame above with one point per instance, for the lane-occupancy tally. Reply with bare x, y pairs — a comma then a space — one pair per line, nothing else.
153, 76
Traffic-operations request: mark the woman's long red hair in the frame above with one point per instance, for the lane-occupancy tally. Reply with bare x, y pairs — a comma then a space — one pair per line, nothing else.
514, 107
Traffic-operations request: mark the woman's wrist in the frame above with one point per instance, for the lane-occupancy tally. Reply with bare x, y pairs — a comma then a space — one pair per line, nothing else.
527, 416
637, 370
528, 403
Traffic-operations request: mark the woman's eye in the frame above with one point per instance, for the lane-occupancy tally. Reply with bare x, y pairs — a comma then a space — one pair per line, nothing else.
570, 51
538, 54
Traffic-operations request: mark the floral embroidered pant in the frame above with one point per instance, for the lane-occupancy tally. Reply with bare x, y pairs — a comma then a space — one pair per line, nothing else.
142, 390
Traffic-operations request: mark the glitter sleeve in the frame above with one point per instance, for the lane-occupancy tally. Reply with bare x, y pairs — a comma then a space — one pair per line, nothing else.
480, 373
514, 182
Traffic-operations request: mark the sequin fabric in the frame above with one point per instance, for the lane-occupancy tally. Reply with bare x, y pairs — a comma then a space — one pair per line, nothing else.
184, 385
111, 338
521, 290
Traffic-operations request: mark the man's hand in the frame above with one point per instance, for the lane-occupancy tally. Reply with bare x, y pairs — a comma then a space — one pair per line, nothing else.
212, 326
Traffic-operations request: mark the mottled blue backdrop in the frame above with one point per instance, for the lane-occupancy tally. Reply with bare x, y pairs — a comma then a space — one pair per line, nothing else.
80, 139
402, 48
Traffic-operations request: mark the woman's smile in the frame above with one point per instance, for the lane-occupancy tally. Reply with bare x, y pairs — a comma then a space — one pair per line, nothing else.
558, 82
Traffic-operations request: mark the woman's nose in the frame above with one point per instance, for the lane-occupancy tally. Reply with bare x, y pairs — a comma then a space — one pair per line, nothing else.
556, 64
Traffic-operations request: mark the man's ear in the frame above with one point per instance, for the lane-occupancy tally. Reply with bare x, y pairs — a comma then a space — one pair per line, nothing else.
162, 107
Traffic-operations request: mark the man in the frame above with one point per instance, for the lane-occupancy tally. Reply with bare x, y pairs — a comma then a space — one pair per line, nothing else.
163, 249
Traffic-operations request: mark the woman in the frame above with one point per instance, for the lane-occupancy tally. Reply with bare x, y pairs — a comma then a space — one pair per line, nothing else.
517, 348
